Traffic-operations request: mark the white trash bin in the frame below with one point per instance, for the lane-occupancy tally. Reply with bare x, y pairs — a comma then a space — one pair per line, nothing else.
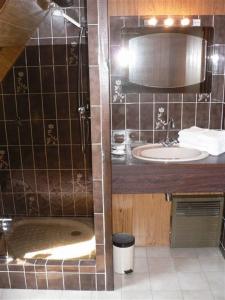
123, 253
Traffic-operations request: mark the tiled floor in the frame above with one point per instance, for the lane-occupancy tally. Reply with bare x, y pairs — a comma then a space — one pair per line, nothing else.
159, 273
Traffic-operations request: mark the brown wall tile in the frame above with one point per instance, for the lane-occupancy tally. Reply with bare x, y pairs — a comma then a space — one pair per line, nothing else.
100, 259
87, 282
97, 194
99, 234
55, 281
41, 281
100, 282
93, 45
17, 280
4, 280
94, 85
97, 158
30, 280
71, 281
96, 124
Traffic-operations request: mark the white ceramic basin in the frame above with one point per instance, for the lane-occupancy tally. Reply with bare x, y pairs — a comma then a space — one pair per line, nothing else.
157, 152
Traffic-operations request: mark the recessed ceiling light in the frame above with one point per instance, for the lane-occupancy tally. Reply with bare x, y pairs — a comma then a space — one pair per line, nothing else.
169, 22
185, 22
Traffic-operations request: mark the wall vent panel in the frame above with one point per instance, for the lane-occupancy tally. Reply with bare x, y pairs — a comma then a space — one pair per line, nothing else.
196, 221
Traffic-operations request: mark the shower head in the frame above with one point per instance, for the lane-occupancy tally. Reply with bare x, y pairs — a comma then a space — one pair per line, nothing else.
64, 3
58, 11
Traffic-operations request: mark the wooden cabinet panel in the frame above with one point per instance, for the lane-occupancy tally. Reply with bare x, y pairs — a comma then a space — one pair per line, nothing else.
165, 7
146, 216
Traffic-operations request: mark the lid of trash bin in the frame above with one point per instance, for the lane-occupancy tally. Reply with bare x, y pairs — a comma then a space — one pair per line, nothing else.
123, 240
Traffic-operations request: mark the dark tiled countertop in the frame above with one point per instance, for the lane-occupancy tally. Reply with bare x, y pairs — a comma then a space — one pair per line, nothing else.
133, 176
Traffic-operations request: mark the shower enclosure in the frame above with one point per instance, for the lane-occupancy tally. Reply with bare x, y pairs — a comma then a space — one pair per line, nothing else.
46, 196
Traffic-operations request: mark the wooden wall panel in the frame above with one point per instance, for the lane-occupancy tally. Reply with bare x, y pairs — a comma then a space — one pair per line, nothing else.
8, 56
166, 7
2, 2
147, 216
18, 20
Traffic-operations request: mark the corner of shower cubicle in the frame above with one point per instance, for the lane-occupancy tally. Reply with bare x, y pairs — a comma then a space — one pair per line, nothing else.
46, 171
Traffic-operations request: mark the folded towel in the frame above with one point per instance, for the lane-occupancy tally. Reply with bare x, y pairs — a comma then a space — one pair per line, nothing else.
212, 141
195, 131
211, 149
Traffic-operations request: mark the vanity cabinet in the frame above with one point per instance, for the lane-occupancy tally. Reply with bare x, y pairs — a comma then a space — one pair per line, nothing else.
139, 188
150, 218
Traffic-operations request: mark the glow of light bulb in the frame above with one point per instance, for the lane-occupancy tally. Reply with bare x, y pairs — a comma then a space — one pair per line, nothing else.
123, 57
169, 22
185, 22
215, 58
152, 21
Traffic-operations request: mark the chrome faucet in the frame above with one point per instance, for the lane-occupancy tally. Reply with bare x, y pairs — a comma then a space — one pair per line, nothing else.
168, 142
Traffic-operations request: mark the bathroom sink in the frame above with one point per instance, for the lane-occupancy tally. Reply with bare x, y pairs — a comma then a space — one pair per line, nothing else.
160, 153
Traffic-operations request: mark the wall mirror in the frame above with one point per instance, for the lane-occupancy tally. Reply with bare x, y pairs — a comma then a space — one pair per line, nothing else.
168, 60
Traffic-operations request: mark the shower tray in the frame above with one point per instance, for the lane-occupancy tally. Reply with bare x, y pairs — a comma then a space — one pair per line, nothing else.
55, 238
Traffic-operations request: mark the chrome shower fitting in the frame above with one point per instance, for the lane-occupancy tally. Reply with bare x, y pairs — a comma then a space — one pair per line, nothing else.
64, 3
58, 12
4, 227
84, 111
5, 224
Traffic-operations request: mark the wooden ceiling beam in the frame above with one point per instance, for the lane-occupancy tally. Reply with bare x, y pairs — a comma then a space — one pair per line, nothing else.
166, 7
18, 20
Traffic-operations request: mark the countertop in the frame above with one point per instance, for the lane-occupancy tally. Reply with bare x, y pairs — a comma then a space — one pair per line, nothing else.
134, 176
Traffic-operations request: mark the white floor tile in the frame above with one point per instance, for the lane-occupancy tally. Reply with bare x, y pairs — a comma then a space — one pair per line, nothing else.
185, 265
112, 295
161, 265
197, 295
140, 265
216, 280
212, 264
136, 282
219, 295
138, 295
167, 295
193, 281
164, 282
208, 252
31, 294
160, 273
184, 252
140, 252
118, 281
71, 295
158, 252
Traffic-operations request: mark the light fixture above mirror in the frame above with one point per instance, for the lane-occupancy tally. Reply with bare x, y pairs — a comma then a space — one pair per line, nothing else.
169, 22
